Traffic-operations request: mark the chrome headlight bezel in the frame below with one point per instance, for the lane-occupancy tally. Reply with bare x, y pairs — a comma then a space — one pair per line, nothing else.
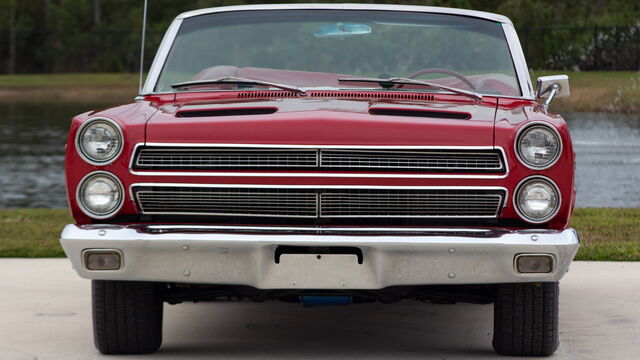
526, 181
523, 131
81, 151
81, 186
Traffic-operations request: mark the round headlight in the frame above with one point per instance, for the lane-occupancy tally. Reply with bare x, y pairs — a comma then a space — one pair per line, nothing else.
100, 195
99, 141
538, 146
537, 200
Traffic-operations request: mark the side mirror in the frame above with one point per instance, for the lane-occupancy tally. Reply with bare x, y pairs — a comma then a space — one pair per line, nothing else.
550, 87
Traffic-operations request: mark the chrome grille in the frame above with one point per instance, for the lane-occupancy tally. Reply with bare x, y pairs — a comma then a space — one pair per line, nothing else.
318, 203
227, 201
256, 158
224, 158
423, 160
409, 203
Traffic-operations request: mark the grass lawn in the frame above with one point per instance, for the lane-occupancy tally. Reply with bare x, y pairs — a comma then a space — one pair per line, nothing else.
89, 88
607, 234
32, 232
598, 91
66, 80
592, 91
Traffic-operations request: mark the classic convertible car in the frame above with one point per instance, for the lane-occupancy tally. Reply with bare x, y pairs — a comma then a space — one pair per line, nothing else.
327, 154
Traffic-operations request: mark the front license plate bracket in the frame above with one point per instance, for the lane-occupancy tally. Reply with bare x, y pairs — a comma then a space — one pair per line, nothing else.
318, 251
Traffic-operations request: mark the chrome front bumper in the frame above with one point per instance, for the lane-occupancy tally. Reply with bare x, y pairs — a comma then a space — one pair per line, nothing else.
246, 256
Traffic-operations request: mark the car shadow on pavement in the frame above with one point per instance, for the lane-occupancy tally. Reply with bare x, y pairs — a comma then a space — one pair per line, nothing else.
282, 330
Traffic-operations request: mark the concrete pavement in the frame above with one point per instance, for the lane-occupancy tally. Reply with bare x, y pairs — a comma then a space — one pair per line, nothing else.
45, 313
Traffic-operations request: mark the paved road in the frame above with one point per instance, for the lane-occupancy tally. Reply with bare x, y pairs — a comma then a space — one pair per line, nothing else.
45, 314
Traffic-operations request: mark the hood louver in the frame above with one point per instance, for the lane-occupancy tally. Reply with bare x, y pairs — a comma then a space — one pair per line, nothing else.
420, 113
226, 112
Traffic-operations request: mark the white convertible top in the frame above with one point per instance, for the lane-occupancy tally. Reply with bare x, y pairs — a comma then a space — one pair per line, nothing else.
412, 8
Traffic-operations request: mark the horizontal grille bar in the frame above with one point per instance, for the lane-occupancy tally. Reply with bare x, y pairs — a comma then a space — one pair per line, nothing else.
398, 160
318, 203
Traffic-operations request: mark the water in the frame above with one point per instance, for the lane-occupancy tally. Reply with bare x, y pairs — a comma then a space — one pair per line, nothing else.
32, 146
607, 159
33, 137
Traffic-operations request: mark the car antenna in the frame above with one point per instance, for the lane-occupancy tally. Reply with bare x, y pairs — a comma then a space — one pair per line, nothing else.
144, 28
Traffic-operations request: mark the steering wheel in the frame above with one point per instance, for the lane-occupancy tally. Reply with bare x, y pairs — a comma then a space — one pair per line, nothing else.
457, 75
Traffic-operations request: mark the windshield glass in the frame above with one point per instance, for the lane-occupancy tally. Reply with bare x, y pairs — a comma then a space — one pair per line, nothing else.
314, 48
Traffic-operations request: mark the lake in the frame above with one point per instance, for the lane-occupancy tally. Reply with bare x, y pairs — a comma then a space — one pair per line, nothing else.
33, 137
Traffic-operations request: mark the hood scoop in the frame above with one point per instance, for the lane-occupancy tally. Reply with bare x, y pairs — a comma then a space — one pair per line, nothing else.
226, 112
420, 113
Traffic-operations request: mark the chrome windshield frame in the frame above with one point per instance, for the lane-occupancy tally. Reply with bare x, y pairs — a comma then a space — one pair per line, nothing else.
517, 55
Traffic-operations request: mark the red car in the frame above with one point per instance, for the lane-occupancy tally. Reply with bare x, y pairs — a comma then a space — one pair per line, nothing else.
327, 154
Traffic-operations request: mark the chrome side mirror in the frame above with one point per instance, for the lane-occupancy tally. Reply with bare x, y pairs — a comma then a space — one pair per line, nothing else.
550, 87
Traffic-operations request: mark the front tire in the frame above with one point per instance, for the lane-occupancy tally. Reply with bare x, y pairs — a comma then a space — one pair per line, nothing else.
127, 317
526, 319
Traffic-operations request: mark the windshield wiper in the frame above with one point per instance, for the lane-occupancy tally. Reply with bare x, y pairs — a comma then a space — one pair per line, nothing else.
388, 83
238, 81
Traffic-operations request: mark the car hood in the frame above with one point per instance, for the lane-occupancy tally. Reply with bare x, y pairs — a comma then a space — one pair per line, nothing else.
314, 121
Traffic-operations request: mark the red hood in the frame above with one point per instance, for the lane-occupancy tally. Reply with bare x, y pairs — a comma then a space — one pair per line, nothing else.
325, 121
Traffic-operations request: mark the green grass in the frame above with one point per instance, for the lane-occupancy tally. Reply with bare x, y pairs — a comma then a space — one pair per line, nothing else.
66, 80
32, 232
607, 234
591, 91
598, 91
90, 88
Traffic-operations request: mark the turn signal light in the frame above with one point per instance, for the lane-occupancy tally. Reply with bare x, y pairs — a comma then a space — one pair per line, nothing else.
102, 260
532, 264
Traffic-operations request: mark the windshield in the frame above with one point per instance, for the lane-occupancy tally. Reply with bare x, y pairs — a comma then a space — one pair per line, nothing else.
313, 49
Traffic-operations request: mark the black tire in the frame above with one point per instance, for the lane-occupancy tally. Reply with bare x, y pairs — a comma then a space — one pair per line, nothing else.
127, 317
526, 319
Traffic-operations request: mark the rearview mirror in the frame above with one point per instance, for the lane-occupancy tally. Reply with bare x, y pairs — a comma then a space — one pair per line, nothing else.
552, 86
341, 29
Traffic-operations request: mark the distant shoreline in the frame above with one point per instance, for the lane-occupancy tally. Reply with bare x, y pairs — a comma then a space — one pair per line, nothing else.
596, 91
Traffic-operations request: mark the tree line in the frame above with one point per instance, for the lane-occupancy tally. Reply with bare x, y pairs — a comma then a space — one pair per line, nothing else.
40, 36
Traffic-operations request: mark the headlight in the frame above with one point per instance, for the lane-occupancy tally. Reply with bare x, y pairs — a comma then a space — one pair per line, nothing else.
537, 200
100, 195
538, 146
99, 141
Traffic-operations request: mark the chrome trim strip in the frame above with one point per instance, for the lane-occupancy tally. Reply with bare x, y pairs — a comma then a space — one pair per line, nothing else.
315, 174
327, 159
519, 62
339, 187
357, 187
79, 146
405, 8
515, 198
529, 125
160, 58
306, 228
115, 210
167, 41
373, 147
